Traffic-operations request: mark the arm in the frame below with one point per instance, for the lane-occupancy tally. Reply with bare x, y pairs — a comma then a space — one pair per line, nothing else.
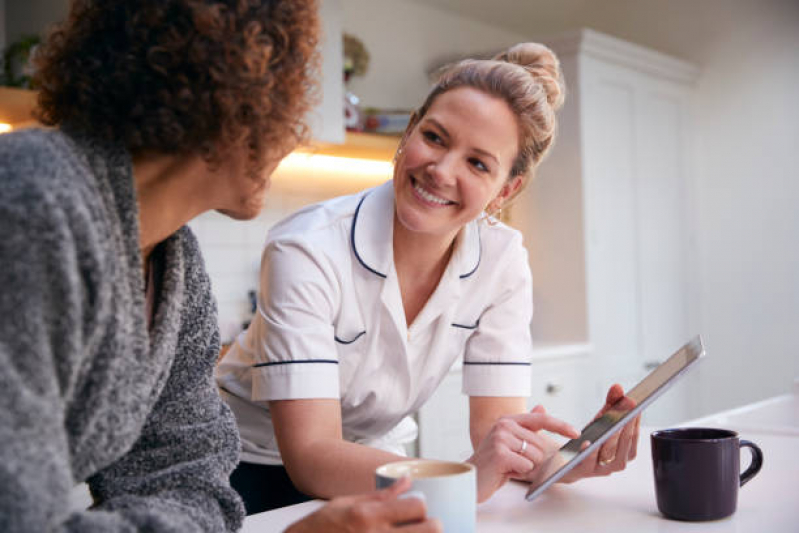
484, 411
319, 461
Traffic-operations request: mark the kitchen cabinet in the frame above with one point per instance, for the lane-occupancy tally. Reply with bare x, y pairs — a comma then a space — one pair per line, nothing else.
608, 220
327, 118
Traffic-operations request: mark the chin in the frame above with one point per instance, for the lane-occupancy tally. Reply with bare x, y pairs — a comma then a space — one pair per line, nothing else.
246, 212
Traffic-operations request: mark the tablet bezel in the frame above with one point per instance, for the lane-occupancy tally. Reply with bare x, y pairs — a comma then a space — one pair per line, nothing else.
694, 351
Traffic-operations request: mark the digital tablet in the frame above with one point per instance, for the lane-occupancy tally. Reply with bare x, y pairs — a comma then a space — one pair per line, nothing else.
599, 430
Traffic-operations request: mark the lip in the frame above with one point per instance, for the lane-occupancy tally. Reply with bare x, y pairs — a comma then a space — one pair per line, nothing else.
413, 182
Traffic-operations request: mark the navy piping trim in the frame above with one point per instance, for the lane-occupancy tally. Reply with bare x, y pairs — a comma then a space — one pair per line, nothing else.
358, 336
479, 256
466, 327
333, 361
352, 239
498, 363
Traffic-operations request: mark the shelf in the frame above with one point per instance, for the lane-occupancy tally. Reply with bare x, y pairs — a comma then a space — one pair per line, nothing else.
16, 106
358, 146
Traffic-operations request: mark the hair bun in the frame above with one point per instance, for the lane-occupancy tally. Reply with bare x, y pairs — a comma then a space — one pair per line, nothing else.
542, 64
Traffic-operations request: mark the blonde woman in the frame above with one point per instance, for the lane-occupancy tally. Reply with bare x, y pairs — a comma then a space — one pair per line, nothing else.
366, 302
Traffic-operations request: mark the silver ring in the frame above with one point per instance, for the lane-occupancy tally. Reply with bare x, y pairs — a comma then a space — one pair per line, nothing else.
524, 447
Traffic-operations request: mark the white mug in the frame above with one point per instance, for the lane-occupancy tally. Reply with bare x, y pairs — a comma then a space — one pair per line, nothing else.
449, 489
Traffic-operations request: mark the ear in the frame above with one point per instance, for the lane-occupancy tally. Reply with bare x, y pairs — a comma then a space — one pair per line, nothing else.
510, 188
408, 129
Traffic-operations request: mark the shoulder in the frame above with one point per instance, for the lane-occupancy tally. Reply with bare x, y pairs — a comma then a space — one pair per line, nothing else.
35, 159
500, 240
323, 225
317, 218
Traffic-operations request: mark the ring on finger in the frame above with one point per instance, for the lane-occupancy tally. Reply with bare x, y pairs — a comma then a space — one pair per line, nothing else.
523, 447
606, 462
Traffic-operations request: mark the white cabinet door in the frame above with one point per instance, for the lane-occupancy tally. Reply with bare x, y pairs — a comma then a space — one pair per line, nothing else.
444, 422
558, 386
609, 215
327, 119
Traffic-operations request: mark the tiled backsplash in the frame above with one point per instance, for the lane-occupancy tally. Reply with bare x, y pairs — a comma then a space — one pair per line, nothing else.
232, 251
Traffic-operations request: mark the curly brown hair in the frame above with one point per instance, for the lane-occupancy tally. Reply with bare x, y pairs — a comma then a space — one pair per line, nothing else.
184, 76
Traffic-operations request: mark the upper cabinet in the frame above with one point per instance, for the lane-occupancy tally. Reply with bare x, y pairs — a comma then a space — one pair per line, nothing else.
608, 220
327, 119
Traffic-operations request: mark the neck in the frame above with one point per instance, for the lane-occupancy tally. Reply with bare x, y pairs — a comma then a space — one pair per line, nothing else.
420, 261
418, 254
167, 192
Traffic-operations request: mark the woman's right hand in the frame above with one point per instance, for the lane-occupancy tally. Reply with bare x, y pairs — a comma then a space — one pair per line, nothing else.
380, 511
503, 454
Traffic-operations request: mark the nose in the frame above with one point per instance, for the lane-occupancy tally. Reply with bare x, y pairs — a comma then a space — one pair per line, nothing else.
443, 170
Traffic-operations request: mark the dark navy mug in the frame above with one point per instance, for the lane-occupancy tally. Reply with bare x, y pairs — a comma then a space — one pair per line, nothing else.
697, 471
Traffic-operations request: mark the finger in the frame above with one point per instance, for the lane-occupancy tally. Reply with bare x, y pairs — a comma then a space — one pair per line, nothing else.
634, 447
432, 525
536, 449
539, 409
615, 393
402, 510
515, 463
623, 449
393, 490
607, 452
538, 421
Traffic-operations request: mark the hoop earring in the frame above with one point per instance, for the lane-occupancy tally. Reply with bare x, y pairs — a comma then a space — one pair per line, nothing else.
492, 219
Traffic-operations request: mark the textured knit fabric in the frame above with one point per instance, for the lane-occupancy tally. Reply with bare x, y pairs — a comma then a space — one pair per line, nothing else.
86, 394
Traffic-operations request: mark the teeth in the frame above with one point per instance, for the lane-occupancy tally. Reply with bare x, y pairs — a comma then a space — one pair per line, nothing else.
429, 197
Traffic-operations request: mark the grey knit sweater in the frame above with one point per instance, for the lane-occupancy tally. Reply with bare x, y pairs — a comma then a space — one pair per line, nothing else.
86, 394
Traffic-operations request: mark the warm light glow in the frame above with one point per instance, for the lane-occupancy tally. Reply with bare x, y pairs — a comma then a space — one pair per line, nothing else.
357, 168
5, 128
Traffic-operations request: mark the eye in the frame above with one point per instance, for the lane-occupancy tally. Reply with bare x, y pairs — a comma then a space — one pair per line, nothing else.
479, 165
432, 136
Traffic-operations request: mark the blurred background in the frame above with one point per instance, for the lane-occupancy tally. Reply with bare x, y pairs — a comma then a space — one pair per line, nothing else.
668, 207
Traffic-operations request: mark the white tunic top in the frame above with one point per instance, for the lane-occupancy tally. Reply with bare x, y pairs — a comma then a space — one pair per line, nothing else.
331, 324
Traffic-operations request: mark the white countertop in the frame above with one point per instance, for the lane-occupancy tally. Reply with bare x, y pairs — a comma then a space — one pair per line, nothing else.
626, 501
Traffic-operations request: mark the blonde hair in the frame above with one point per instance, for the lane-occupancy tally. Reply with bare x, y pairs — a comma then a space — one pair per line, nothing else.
527, 77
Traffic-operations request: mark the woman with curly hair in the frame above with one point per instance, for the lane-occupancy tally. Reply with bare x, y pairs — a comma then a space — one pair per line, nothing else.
161, 110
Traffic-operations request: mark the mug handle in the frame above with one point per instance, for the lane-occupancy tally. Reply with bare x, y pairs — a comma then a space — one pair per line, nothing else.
755, 465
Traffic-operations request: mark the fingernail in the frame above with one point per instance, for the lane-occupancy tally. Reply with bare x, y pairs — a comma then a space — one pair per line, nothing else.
419, 495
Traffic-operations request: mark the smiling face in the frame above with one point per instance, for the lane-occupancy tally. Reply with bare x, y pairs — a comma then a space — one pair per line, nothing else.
455, 162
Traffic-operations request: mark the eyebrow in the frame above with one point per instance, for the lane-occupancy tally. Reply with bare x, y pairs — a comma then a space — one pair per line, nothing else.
473, 148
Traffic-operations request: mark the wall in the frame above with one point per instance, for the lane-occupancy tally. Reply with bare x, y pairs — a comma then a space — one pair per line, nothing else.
2, 23
24, 17
748, 193
405, 40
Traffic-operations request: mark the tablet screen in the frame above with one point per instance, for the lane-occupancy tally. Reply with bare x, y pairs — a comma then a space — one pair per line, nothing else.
599, 430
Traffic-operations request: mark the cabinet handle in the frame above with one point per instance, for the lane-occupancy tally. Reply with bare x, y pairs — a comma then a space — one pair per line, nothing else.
554, 388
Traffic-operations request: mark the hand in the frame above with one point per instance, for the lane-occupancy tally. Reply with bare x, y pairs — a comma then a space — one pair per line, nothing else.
614, 454
503, 454
379, 511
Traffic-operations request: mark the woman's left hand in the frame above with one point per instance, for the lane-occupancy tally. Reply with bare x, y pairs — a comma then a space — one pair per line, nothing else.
617, 451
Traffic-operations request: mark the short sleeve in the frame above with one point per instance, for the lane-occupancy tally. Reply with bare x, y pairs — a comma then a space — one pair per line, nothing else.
497, 356
290, 343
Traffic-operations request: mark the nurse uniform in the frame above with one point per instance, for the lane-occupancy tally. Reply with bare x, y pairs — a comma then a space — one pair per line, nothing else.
330, 324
